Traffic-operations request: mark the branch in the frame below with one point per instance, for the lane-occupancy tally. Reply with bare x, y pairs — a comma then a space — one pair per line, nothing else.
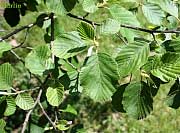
69, 63
25, 37
16, 31
149, 31
83, 19
17, 92
124, 25
44, 112
20, 29
30, 111
36, 102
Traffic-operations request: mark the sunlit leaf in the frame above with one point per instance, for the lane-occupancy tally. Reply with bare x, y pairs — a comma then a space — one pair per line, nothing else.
11, 106
69, 109
89, 6
153, 13
24, 101
110, 26
55, 94
86, 31
4, 47
103, 70
6, 76
39, 60
123, 16
167, 67
68, 45
132, 57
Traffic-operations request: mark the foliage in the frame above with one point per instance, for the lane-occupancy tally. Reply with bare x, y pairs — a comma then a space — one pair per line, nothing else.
71, 62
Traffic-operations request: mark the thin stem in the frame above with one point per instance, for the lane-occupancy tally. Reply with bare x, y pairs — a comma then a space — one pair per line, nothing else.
25, 37
16, 31
17, 92
20, 29
122, 39
36, 102
149, 31
83, 19
17, 56
44, 112
124, 25
30, 111
69, 63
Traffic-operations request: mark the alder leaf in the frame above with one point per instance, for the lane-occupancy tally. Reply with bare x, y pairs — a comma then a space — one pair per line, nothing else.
98, 76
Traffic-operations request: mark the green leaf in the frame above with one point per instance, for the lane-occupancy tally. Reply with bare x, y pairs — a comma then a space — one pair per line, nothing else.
2, 123
174, 96
68, 45
153, 13
6, 76
4, 47
131, 57
98, 76
56, 6
168, 6
36, 129
89, 6
39, 60
172, 45
63, 125
60, 7
123, 16
137, 100
110, 26
167, 67
69, 109
24, 101
55, 94
3, 105
118, 97
11, 106
86, 31
2, 126
69, 4
129, 34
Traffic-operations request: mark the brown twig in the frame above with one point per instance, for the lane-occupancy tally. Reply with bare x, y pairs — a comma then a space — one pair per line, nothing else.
83, 19
46, 115
16, 31
20, 29
124, 26
30, 111
148, 30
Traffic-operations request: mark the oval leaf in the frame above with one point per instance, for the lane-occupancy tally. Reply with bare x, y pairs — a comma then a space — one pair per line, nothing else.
55, 95
24, 101
89, 6
11, 106
132, 57
123, 16
110, 26
153, 13
39, 60
68, 45
137, 100
97, 77
4, 47
6, 76
86, 31
174, 96
167, 67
